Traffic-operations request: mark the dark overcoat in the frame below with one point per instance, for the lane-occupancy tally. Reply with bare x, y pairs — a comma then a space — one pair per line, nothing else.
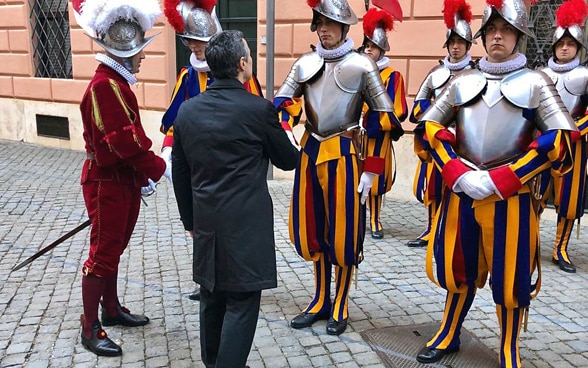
224, 139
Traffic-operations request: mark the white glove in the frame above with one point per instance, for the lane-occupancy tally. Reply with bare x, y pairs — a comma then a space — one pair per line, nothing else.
365, 185
168, 173
476, 184
166, 156
149, 189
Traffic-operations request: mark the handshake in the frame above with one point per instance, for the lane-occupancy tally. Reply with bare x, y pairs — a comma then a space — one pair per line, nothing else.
476, 184
152, 187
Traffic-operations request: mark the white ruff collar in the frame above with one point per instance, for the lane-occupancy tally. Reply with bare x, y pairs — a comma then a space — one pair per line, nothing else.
561, 68
110, 62
459, 65
505, 67
383, 62
346, 47
199, 65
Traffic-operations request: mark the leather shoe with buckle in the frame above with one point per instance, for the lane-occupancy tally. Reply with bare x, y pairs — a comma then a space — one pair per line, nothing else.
564, 266
124, 318
336, 327
99, 343
432, 355
195, 295
307, 319
417, 243
378, 234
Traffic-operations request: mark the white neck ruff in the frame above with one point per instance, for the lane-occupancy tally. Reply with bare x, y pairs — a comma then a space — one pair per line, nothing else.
110, 62
346, 47
517, 63
383, 62
459, 65
199, 65
562, 68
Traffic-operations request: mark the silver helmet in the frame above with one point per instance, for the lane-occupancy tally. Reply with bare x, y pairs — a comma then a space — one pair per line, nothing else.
375, 25
193, 19
569, 19
512, 11
124, 39
337, 10
120, 26
457, 15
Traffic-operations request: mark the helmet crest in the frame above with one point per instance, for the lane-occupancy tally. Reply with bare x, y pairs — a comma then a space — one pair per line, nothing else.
375, 18
456, 7
570, 13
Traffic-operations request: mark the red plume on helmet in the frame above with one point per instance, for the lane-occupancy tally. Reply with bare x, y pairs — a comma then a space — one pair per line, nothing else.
313, 3
570, 13
175, 19
375, 18
495, 3
453, 7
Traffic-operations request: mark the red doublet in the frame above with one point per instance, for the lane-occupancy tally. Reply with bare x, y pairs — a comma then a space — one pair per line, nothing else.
119, 164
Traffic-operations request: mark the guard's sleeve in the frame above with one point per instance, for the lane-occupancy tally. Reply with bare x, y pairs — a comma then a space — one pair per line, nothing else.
178, 96
551, 149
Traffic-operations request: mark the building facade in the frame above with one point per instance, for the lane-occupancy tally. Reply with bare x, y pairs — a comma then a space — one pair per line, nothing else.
47, 60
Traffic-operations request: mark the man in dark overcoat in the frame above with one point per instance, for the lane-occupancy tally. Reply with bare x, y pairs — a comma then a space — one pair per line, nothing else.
224, 139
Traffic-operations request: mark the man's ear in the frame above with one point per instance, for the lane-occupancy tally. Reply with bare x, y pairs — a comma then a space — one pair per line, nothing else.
242, 63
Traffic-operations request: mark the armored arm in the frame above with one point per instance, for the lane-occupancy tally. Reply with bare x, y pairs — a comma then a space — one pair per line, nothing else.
287, 99
550, 149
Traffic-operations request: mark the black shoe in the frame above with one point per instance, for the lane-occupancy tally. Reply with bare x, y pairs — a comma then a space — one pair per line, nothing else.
378, 234
195, 295
124, 318
307, 319
432, 355
99, 343
417, 243
336, 327
564, 266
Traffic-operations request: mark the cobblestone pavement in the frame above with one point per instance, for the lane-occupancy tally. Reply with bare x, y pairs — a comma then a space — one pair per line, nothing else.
40, 305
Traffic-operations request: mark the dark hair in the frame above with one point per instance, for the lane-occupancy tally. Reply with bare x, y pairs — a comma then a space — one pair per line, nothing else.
223, 53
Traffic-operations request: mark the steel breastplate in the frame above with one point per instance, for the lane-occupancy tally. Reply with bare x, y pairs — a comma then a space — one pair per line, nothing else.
492, 131
329, 109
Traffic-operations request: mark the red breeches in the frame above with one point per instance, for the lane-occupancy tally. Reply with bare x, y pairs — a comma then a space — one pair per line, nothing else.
113, 209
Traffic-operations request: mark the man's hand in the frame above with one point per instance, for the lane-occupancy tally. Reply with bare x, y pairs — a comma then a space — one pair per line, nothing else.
149, 189
365, 185
476, 184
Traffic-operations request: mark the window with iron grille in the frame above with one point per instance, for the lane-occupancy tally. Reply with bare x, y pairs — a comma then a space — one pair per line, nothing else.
51, 38
542, 23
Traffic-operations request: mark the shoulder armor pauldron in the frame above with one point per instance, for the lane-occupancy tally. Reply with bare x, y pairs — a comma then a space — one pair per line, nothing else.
439, 76
522, 87
466, 86
307, 66
550, 73
576, 81
347, 71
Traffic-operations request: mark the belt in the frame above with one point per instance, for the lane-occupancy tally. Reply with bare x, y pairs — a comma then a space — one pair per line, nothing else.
90, 156
346, 133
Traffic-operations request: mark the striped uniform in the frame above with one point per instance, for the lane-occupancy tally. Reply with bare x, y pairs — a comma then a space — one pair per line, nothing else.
381, 143
427, 185
568, 190
497, 235
327, 221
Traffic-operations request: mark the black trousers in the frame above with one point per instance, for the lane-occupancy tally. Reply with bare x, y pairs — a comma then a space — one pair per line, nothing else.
227, 326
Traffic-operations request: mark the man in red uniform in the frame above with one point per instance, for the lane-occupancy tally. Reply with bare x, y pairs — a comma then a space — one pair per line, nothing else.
118, 162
